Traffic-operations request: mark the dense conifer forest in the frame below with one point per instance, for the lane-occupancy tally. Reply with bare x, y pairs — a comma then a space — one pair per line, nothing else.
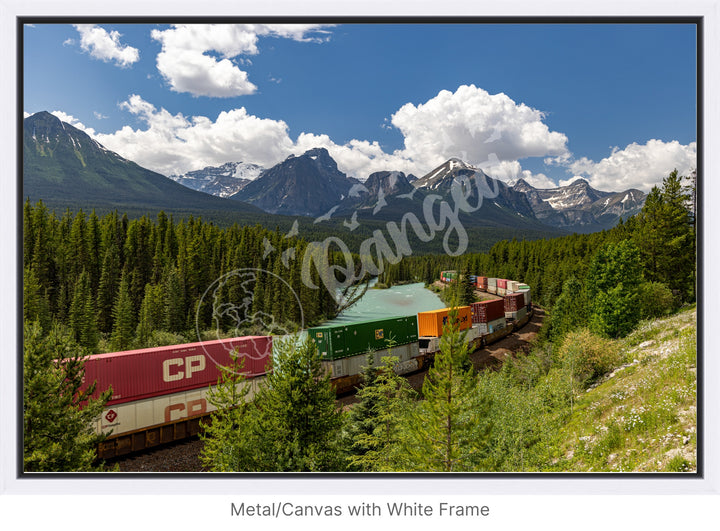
120, 283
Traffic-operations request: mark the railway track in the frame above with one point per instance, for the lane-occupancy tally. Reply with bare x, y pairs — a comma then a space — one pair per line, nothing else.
184, 456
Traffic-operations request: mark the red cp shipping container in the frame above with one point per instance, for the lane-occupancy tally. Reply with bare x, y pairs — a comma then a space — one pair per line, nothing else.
486, 311
514, 302
481, 283
502, 283
138, 374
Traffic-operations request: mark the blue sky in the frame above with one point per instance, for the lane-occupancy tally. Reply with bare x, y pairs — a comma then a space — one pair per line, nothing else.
612, 103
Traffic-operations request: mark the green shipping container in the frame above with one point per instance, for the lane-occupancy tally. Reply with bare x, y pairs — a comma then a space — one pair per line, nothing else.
341, 341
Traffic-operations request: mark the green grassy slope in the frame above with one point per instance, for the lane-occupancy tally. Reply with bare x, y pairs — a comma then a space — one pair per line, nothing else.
641, 417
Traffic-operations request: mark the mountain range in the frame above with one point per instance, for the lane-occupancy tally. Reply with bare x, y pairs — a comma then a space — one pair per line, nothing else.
312, 185
65, 167
579, 204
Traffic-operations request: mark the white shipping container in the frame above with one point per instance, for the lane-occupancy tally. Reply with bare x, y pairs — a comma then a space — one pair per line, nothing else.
512, 286
492, 289
516, 316
501, 291
482, 328
492, 281
526, 292
141, 414
355, 364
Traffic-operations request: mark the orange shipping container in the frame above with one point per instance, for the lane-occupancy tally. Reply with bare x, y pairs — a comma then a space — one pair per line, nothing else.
431, 323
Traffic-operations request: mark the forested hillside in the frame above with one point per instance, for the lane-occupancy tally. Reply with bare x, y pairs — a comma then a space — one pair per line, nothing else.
120, 283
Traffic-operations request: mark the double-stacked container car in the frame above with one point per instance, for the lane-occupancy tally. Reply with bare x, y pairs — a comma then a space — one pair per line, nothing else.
501, 287
432, 323
515, 307
160, 394
525, 290
344, 348
489, 316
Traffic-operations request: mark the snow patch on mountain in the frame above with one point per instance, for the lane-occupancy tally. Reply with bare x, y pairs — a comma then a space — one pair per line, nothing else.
222, 181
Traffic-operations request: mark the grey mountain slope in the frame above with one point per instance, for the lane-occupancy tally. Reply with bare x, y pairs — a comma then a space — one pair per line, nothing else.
441, 179
307, 185
391, 195
578, 204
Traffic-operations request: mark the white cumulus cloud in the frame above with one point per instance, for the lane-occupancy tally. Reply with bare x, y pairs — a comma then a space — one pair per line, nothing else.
491, 132
174, 144
640, 166
69, 119
473, 125
188, 59
106, 46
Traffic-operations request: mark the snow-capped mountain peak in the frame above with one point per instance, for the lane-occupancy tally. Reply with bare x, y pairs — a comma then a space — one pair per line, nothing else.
579, 204
223, 181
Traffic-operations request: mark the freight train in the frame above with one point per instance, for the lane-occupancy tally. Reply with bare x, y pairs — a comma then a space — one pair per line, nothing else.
160, 394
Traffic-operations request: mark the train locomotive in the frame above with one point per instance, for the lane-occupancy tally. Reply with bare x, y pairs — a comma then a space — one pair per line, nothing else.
160, 394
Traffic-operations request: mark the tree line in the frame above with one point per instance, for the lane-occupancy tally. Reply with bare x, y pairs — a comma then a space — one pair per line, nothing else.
120, 283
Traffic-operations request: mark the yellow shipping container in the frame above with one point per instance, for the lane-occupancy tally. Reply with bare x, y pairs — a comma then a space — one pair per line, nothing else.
431, 323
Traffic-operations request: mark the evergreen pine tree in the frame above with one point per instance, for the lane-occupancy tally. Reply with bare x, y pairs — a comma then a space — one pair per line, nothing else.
375, 422
466, 288
665, 236
569, 312
93, 243
613, 283
361, 420
448, 430
297, 419
151, 314
228, 444
77, 252
35, 304
83, 318
174, 304
57, 433
123, 332
107, 288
